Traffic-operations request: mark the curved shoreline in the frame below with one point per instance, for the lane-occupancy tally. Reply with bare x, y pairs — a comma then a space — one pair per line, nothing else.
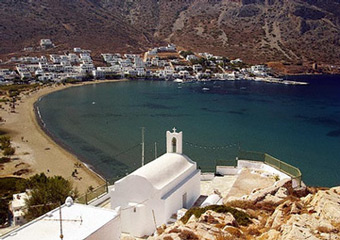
38, 150
42, 125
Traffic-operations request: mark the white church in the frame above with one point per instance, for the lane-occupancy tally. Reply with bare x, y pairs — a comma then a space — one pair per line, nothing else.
149, 196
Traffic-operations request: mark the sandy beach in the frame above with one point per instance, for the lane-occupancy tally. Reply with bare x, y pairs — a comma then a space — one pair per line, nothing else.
36, 152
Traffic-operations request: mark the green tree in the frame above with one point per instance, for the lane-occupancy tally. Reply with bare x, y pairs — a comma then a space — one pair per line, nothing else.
9, 151
5, 142
186, 53
46, 194
9, 186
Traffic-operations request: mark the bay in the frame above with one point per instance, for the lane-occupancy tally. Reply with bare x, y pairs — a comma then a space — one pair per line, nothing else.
300, 125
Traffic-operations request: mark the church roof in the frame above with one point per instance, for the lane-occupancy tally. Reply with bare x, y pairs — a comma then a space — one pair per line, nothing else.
165, 169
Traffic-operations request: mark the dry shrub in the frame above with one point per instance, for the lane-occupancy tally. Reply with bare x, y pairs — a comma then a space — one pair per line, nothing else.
188, 235
240, 204
263, 221
336, 226
252, 231
175, 230
324, 229
266, 206
234, 232
220, 225
160, 230
168, 238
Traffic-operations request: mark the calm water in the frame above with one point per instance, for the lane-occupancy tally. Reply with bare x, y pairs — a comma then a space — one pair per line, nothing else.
297, 124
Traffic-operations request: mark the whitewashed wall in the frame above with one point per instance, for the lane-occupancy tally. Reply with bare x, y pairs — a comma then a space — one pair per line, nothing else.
154, 208
110, 231
174, 201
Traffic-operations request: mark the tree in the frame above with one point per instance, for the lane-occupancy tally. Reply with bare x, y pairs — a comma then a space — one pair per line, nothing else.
9, 151
186, 53
5, 142
46, 194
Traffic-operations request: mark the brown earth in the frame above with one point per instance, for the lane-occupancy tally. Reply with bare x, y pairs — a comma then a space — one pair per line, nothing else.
258, 31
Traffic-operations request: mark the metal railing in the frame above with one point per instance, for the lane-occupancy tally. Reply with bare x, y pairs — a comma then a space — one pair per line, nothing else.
92, 194
95, 193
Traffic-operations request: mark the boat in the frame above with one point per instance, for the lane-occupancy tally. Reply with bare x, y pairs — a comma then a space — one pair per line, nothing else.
205, 89
178, 80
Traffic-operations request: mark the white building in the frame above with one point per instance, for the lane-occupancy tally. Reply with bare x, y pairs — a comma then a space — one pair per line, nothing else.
191, 57
46, 43
235, 61
86, 68
149, 196
17, 207
184, 73
77, 50
259, 70
23, 72
78, 222
197, 67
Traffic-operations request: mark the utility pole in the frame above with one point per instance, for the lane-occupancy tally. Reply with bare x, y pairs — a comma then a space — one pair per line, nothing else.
61, 224
155, 150
143, 146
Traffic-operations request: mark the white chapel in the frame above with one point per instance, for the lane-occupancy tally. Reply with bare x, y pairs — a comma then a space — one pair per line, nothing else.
149, 196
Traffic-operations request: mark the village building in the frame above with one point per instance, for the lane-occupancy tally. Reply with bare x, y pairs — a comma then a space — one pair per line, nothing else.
149, 196
197, 67
191, 57
17, 208
46, 43
77, 50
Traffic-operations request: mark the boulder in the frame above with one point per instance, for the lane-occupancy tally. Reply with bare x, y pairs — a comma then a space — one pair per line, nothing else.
298, 227
212, 217
282, 193
270, 235
277, 218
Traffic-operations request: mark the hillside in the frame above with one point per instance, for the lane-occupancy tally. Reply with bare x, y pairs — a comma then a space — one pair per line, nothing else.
69, 23
274, 213
254, 30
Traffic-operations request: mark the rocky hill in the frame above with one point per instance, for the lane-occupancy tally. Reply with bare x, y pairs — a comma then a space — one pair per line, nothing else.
274, 213
254, 30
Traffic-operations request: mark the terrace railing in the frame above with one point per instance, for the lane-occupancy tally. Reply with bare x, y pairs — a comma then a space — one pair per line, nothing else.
286, 168
93, 194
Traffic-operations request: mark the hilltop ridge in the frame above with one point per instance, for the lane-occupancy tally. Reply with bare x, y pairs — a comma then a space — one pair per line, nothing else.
255, 30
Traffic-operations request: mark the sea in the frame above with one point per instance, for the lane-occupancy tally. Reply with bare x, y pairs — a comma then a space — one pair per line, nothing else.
102, 123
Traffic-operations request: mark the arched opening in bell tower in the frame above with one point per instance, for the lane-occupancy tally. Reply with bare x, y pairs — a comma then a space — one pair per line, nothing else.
174, 144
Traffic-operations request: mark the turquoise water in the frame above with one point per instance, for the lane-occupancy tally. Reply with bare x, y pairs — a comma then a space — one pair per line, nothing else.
298, 124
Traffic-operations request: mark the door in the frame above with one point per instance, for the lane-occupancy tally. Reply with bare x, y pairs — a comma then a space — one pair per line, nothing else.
184, 200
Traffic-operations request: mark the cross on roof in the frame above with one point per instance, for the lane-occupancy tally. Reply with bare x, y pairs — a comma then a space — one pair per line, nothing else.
174, 129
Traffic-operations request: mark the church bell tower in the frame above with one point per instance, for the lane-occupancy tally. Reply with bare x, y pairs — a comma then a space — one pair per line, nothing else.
174, 142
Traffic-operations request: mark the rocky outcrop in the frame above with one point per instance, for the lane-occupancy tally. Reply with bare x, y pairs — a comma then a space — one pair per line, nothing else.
277, 213
206, 227
316, 216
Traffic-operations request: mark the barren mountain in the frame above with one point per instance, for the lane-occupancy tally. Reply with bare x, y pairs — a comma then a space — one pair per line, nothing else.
254, 30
